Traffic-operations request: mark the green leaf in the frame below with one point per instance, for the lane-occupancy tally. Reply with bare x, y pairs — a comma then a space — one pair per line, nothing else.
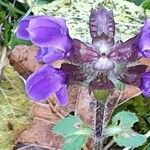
14, 108
130, 139
146, 4
67, 126
74, 142
15, 41
137, 2
125, 119
74, 132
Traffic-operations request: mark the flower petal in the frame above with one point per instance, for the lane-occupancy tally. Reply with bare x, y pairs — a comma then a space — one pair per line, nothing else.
132, 75
49, 37
40, 53
53, 56
48, 55
144, 41
62, 99
21, 31
47, 33
42, 83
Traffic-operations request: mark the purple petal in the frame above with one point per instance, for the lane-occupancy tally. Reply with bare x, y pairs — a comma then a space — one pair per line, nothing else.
47, 33
48, 55
42, 83
124, 52
62, 99
132, 75
53, 56
60, 21
102, 22
40, 53
21, 30
48, 37
83, 53
145, 84
144, 42
74, 72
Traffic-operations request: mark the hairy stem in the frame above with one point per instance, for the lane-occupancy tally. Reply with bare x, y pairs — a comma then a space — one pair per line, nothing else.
98, 126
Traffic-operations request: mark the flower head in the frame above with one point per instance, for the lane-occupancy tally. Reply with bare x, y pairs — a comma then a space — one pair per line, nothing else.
45, 31
46, 81
145, 84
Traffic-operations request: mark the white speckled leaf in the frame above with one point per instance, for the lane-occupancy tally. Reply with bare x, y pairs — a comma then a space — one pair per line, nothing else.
77, 12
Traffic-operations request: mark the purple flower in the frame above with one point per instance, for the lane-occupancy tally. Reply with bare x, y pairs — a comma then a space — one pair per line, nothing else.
145, 84
46, 81
143, 41
45, 31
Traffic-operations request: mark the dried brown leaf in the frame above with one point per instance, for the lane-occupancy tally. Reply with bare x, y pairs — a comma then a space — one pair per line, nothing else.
83, 101
23, 60
39, 132
118, 98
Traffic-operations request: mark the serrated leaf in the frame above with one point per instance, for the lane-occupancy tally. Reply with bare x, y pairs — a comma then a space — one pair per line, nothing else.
14, 107
72, 129
130, 139
125, 119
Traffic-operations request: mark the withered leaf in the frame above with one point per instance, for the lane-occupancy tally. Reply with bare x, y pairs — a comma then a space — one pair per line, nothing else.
23, 60
118, 98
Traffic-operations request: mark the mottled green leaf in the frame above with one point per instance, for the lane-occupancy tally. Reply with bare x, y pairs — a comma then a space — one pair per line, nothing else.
125, 119
76, 13
130, 139
14, 108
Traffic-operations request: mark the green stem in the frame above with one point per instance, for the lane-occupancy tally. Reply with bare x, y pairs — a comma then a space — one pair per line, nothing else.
11, 8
